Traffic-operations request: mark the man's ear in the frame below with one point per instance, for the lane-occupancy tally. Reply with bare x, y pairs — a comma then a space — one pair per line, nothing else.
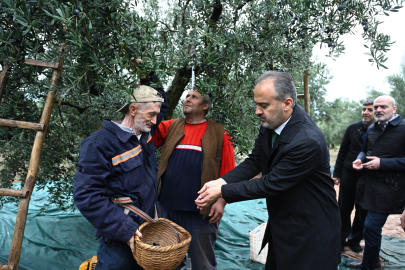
287, 104
133, 110
206, 106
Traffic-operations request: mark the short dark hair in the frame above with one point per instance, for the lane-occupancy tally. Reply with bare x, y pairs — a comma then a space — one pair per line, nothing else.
283, 85
368, 102
206, 98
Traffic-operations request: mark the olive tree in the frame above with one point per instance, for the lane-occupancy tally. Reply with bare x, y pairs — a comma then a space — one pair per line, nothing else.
227, 43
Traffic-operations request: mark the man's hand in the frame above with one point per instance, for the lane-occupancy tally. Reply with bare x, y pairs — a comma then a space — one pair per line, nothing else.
209, 193
402, 218
131, 242
357, 164
374, 164
217, 210
336, 180
135, 63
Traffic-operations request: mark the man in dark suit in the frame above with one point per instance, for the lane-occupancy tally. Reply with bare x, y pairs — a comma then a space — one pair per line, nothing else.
348, 177
303, 230
383, 158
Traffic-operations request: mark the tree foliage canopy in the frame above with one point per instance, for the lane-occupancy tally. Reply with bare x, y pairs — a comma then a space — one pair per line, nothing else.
339, 114
335, 116
397, 83
229, 43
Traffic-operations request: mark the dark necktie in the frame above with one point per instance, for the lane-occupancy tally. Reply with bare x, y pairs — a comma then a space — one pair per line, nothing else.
273, 138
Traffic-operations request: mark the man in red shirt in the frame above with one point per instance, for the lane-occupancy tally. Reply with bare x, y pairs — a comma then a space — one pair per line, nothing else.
195, 150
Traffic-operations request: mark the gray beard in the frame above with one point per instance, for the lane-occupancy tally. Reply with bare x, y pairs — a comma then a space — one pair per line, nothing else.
384, 118
266, 125
276, 119
140, 126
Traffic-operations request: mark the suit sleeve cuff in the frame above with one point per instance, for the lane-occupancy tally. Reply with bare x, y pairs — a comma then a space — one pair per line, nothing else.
225, 191
362, 156
385, 165
224, 177
337, 173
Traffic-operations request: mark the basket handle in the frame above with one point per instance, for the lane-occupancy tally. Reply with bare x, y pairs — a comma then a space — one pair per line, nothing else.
173, 229
126, 202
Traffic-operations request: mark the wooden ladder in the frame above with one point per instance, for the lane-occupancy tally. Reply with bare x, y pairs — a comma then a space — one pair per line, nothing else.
25, 193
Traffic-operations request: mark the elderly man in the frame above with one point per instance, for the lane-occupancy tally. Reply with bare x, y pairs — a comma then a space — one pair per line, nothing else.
115, 162
383, 157
348, 177
195, 150
303, 229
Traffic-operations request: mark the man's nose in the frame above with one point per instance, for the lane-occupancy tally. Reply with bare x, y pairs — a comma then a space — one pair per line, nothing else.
258, 111
154, 120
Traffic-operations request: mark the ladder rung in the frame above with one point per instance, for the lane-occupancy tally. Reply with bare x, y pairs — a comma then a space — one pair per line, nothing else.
13, 193
21, 124
6, 267
32, 62
301, 96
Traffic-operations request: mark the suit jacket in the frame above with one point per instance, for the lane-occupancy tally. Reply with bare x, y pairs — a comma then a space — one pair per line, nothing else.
350, 148
384, 190
304, 221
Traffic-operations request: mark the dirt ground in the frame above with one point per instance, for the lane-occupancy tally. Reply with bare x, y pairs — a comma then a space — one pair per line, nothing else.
392, 227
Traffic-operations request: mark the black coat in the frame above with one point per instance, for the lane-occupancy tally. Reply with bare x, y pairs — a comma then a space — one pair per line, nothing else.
385, 188
304, 220
350, 148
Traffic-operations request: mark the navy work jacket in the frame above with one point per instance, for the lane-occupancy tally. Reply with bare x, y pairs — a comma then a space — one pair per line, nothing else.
113, 163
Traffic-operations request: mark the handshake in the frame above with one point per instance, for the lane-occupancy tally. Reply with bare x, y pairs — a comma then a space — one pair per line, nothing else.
209, 193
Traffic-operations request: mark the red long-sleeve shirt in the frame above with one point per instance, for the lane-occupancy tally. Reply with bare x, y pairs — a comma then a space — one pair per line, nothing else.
182, 178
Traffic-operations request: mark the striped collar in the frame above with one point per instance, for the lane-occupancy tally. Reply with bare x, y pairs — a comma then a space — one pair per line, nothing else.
120, 133
128, 129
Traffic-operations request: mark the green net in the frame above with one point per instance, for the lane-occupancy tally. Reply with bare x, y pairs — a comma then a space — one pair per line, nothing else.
59, 240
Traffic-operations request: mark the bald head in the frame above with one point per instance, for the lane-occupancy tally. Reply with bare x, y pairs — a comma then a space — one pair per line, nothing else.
384, 109
386, 98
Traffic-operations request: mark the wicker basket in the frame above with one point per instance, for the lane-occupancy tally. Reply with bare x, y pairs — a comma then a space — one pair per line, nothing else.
173, 240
